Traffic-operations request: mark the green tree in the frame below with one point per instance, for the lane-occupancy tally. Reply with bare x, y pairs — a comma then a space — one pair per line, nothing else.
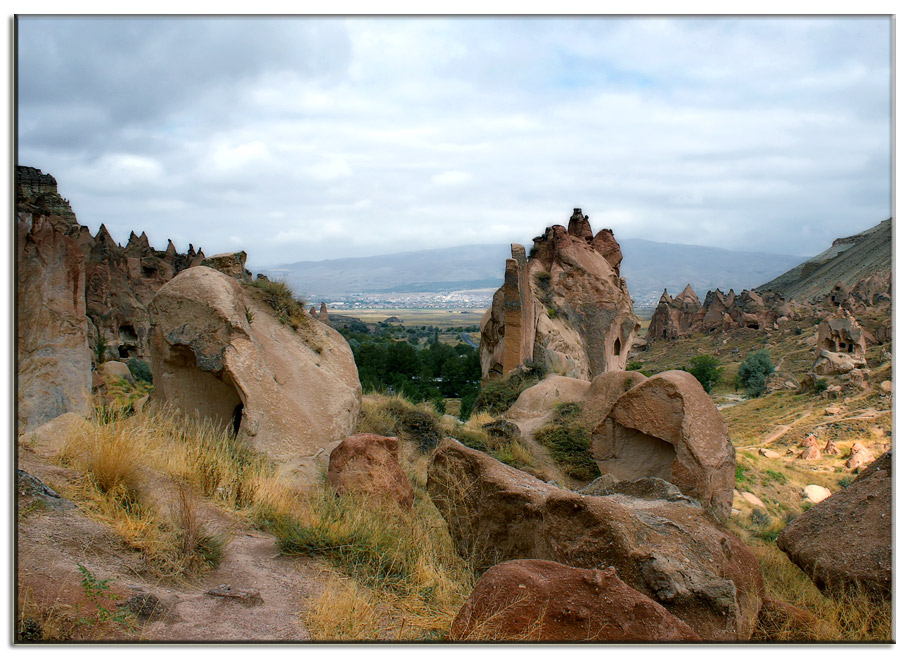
706, 369
753, 372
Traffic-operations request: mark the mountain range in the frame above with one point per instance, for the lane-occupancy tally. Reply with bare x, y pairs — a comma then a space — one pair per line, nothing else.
647, 266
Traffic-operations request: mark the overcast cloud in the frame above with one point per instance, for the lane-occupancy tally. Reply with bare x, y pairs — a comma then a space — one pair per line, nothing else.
305, 139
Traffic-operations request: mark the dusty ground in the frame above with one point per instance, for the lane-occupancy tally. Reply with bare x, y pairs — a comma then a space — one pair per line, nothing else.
53, 542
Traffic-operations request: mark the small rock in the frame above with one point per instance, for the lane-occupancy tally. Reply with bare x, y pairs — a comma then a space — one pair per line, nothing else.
830, 448
815, 493
885, 386
752, 499
116, 369
833, 410
770, 454
247, 597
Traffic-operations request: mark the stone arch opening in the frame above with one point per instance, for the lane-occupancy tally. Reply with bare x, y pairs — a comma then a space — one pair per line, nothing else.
216, 397
617, 347
633, 455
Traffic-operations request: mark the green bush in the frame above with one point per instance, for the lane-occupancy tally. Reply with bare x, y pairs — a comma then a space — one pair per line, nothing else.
821, 385
706, 369
140, 369
635, 365
753, 373
569, 442
497, 395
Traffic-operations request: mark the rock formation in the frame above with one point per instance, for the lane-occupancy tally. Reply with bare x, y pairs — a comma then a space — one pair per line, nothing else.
324, 314
232, 264
684, 315
543, 601
367, 465
54, 362
673, 552
564, 306
290, 393
845, 540
667, 427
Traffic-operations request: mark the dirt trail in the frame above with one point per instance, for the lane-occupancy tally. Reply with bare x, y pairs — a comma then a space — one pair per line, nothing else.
53, 542
251, 562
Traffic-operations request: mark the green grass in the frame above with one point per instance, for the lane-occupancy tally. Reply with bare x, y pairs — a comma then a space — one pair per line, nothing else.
569, 442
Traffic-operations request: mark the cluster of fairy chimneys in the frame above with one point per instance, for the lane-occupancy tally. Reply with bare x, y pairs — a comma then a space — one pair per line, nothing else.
323, 315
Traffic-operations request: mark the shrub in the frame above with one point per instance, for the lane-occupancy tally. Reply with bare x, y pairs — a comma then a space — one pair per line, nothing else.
753, 373
288, 309
706, 369
498, 395
821, 385
100, 347
776, 476
140, 369
635, 365
569, 442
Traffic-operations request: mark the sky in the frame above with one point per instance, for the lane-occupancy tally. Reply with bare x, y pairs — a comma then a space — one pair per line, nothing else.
306, 139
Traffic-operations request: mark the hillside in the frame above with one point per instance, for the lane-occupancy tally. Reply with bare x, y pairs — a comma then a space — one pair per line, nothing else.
847, 260
647, 266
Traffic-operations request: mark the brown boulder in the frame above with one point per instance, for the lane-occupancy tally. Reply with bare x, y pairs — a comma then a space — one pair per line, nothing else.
674, 552
860, 455
605, 389
845, 540
367, 465
543, 601
232, 264
289, 392
668, 427
830, 448
812, 450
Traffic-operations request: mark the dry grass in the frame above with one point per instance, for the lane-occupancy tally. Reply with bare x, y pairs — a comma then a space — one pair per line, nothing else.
843, 617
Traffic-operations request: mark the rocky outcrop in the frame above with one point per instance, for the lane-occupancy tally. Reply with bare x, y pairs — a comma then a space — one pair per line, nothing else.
841, 345
324, 314
668, 427
232, 264
564, 306
683, 315
783, 622
54, 362
367, 465
845, 540
290, 393
673, 552
542, 601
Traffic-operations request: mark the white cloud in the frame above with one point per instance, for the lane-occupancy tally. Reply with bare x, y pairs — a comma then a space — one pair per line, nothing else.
452, 178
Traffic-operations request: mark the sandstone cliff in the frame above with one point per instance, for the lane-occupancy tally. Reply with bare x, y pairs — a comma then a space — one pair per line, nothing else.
564, 306
54, 363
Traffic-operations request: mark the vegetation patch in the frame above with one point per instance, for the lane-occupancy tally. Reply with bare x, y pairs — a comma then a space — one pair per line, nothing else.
288, 308
753, 373
569, 442
497, 395
706, 369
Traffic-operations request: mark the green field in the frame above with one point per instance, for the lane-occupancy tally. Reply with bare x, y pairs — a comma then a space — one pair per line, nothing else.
416, 317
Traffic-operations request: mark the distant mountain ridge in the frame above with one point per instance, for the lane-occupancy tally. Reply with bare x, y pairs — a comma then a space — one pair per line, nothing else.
647, 266
847, 261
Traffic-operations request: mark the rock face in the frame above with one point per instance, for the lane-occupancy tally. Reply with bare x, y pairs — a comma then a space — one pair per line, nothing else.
668, 427
845, 540
673, 552
841, 345
565, 306
683, 315
54, 362
367, 465
542, 601
232, 264
290, 393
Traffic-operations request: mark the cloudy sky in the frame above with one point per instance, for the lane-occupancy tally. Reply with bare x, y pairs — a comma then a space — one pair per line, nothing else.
305, 139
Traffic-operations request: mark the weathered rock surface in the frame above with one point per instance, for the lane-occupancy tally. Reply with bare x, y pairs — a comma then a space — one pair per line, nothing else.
860, 455
367, 465
54, 362
845, 540
565, 306
291, 393
673, 552
606, 388
232, 264
812, 450
543, 601
47, 439
815, 493
684, 315
116, 369
536, 404
668, 427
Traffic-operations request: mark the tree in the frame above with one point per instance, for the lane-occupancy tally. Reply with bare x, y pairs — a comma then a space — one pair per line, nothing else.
753, 372
706, 369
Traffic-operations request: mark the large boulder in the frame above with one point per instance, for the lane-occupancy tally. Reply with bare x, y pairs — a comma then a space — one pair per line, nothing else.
668, 427
603, 393
543, 601
290, 392
845, 540
565, 305
536, 405
53, 358
836, 363
673, 552
367, 465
